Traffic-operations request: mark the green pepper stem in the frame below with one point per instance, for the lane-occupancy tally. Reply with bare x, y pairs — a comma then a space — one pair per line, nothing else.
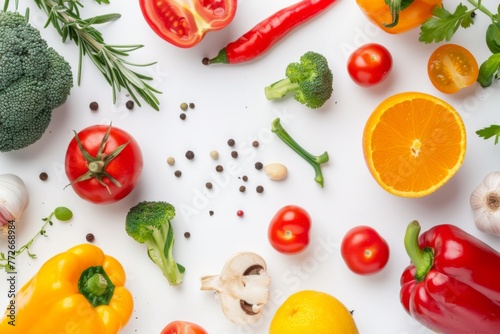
395, 8
422, 259
221, 58
313, 160
97, 284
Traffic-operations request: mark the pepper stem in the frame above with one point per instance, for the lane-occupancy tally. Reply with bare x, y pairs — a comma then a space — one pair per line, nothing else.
221, 58
422, 259
395, 7
313, 160
95, 285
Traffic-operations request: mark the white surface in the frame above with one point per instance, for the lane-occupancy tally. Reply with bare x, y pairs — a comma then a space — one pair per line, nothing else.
230, 104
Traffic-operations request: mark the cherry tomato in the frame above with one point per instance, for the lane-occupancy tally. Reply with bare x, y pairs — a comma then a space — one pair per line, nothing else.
185, 23
289, 229
369, 65
105, 177
183, 327
364, 251
452, 67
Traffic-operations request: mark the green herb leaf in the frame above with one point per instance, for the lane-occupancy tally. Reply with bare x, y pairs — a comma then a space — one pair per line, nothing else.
493, 37
489, 132
489, 70
63, 214
444, 24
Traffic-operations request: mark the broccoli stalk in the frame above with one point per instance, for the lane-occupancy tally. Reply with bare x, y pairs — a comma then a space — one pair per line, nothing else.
311, 81
149, 222
313, 160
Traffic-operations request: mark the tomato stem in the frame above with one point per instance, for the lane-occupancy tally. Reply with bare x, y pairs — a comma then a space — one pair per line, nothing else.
96, 167
313, 160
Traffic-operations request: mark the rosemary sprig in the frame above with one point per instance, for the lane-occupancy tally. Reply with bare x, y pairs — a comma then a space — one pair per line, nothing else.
64, 15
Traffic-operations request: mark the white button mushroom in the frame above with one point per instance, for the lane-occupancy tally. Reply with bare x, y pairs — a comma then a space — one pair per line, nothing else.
243, 287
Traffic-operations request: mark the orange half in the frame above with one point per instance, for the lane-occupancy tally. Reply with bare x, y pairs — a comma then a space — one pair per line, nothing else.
413, 143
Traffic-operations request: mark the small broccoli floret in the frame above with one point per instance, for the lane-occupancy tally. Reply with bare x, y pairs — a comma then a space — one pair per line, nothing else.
149, 222
311, 81
34, 80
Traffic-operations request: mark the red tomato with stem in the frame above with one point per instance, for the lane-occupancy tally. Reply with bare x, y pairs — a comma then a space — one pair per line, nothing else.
370, 64
185, 23
183, 327
288, 231
452, 67
103, 164
364, 251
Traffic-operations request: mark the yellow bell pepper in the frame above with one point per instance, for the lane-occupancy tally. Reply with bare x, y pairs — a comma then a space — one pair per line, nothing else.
398, 16
80, 291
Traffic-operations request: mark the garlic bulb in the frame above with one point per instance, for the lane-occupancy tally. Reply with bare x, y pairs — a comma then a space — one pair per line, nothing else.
14, 198
485, 203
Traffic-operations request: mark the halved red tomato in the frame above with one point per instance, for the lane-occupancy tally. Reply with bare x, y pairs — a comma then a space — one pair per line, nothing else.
185, 23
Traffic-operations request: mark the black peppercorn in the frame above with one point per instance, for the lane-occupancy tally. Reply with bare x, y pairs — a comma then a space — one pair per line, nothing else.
234, 154
178, 173
191, 105
129, 104
93, 106
211, 213
43, 176
258, 165
190, 155
209, 185
231, 142
182, 116
242, 189
260, 189
187, 235
90, 237
245, 178
255, 143
219, 168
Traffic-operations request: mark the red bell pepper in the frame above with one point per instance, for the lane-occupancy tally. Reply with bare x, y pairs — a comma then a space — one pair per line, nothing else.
185, 23
453, 283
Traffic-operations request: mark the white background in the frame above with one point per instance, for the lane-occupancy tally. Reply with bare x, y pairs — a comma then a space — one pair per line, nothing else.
230, 103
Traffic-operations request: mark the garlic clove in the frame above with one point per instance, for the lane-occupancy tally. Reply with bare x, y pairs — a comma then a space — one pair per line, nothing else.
14, 198
276, 171
485, 204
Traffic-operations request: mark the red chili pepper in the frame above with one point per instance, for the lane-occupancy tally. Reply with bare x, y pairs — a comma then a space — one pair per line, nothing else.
268, 32
453, 283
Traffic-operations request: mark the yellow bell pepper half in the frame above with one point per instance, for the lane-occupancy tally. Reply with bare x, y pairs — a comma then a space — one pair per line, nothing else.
80, 291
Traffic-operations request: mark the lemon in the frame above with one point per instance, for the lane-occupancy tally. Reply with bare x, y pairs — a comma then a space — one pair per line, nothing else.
310, 311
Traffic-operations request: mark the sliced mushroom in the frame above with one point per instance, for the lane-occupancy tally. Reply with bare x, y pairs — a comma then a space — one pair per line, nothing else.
243, 287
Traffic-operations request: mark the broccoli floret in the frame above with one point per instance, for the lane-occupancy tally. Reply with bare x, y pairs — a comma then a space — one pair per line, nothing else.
34, 80
311, 81
149, 222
